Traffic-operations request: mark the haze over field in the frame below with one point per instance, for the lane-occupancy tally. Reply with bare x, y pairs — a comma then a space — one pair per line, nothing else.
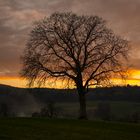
17, 17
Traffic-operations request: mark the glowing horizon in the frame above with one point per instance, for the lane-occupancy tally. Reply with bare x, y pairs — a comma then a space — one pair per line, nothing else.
133, 79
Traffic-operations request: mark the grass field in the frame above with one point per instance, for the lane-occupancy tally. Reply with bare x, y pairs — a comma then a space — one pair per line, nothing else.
60, 129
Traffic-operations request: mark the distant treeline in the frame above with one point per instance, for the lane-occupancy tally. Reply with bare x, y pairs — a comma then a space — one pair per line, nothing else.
118, 93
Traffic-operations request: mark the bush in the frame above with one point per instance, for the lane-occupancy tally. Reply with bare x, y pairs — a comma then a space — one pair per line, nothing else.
135, 117
48, 111
103, 111
3, 110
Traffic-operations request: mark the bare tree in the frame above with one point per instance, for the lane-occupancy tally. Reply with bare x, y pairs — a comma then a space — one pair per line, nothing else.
78, 49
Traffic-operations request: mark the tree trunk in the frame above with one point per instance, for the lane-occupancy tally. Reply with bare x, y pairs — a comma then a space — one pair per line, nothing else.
82, 101
82, 97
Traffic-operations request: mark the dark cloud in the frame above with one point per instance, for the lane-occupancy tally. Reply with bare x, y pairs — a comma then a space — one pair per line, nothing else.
17, 17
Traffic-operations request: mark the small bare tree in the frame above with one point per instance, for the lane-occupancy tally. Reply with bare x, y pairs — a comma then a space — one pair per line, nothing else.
79, 49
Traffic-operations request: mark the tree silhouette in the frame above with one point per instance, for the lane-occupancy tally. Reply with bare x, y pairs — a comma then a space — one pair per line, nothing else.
79, 49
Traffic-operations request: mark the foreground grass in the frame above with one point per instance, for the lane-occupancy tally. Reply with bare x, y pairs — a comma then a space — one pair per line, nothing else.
60, 129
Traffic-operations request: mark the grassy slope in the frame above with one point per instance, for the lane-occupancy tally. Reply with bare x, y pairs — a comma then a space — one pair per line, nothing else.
55, 129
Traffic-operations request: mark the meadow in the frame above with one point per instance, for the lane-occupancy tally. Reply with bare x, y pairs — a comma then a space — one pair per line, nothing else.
65, 129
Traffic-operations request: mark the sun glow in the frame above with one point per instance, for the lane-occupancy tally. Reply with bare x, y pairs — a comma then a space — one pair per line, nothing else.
133, 79
13, 81
20, 82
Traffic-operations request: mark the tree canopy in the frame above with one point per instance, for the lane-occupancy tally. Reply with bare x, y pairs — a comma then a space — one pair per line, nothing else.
67, 45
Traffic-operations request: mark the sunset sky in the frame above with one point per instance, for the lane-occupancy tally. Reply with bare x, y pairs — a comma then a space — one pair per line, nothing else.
18, 16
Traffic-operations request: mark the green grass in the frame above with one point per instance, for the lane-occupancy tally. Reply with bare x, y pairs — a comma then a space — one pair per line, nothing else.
60, 129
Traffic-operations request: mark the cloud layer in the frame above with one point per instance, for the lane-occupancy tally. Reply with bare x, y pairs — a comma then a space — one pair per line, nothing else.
17, 17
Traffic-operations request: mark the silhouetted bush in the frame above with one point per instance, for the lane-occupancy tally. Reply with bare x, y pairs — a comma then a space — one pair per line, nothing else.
50, 110
3, 110
35, 114
135, 117
44, 112
103, 111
